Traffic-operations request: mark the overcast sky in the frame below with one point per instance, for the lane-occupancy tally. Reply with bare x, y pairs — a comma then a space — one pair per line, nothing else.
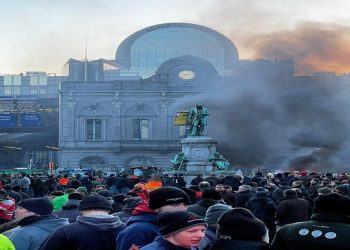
41, 35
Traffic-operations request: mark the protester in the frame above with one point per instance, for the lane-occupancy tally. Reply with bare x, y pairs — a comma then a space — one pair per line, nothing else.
59, 201
244, 193
143, 227
292, 209
70, 209
329, 227
180, 230
264, 209
95, 229
129, 205
209, 198
239, 229
36, 222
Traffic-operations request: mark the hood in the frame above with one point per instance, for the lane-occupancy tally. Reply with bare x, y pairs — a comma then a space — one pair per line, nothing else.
142, 208
207, 202
151, 218
102, 223
47, 223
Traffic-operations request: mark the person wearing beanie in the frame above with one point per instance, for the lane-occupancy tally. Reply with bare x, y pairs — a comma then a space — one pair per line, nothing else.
70, 209
211, 217
292, 209
36, 222
209, 198
329, 227
343, 189
94, 229
238, 228
244, 193
264, 209
324, 191
59, 201
180, 230
118, 202
143, 227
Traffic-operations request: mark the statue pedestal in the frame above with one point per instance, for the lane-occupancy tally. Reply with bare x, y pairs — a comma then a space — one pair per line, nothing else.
198, 149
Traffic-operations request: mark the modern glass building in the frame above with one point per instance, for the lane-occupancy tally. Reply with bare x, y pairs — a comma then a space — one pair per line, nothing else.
145, 50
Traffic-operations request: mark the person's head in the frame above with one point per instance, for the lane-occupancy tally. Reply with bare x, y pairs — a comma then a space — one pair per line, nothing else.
241, 224
220, 188
82, 190
3, 195
342, 189
204, 185
94, 204
297, 184
211, 194
33, 207
182, 228
168, 199
324, 191
314, 181
214, 212
290, 193
75, 196
261, 192
244, 188
69, 191
332, 203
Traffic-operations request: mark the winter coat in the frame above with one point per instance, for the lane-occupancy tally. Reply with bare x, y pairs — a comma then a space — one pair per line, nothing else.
33, 231
277, 194
201, 207
293, 209
210, 236
87, 233
262, 207
323, 232
140, 231
242, 198
222, 244
160, 243
70, 210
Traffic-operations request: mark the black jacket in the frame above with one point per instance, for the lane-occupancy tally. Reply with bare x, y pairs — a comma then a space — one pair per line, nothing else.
239, 245
87, 233
323, 232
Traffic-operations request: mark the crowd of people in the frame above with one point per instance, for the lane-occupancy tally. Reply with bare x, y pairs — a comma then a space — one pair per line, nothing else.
290, 210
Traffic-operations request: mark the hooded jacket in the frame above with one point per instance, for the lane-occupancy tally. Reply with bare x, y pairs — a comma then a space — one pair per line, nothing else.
33, 231
141, 229
87, 233
70, 210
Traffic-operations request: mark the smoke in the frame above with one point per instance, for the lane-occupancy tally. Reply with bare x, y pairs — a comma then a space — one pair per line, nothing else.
298, 123
312, 46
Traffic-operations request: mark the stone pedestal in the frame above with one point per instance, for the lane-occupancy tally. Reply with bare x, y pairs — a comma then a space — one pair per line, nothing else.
198, 149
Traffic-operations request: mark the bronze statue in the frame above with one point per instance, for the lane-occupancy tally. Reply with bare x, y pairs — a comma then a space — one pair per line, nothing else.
219, 162
179, 161
197, 120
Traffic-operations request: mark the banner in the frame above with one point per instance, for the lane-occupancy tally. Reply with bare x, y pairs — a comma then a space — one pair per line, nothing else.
8, 120
31, 120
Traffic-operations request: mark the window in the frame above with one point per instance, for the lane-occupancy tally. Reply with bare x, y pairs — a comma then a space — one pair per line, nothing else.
140, 129
93, 129
182, 131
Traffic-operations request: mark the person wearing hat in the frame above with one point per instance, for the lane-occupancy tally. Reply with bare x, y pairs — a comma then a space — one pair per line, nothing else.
36, 222
238, 228
59, 201
211, 217
95, 229
343, 189
264, 209
70, 209
209, 198
180, 230
292, 209
143, 227
329, 227
244, 193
